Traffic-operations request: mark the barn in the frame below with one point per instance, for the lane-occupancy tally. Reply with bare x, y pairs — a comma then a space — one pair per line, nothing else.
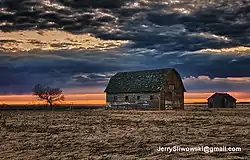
221, 100
153, 89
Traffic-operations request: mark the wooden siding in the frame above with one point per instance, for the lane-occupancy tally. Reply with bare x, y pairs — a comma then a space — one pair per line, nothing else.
132, 101
174, 97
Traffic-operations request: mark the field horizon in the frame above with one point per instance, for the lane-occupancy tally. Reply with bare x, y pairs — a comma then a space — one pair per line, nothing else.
187, 106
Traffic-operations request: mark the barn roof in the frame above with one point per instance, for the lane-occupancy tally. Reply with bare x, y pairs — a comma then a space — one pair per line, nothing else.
138, 81
226, 95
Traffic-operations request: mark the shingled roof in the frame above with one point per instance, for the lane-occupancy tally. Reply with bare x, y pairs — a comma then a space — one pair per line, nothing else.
137, 81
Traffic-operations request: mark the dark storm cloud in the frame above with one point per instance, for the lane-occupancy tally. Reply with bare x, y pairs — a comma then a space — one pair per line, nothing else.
166, 22
93, 79
208, 84
195, 64
215, 66
75, 69
27, 70
20, 72
163, 33
137, 19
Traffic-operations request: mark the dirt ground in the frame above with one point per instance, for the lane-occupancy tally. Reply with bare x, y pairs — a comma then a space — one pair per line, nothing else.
123, 134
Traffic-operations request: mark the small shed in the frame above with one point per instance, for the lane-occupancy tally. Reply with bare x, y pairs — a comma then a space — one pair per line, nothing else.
221, 100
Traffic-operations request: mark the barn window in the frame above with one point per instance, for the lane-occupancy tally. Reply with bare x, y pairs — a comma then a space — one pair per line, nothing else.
138, 97
126, 98
151, 97
115, 98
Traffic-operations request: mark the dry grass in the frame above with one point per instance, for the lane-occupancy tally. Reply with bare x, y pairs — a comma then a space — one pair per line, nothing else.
122, 134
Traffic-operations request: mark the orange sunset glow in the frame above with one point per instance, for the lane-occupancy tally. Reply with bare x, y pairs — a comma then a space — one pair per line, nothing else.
93, 99
99, 99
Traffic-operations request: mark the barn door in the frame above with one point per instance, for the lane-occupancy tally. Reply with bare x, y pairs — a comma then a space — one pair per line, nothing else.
178, 104
168, 100
168, 104
223, 104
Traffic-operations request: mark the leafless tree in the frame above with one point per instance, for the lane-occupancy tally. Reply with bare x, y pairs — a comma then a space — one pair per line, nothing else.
48, 94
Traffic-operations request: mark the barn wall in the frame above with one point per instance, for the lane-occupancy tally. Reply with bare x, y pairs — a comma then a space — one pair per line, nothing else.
182, 100
233, 104
143, 102
162, 101
175, 96
216, 101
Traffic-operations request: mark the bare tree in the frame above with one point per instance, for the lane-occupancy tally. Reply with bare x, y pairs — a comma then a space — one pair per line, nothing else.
48, 94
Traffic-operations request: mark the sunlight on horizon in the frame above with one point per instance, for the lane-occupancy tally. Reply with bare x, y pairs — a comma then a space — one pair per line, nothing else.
99, 99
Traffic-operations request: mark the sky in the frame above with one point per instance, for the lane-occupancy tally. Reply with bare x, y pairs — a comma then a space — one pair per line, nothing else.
79, 45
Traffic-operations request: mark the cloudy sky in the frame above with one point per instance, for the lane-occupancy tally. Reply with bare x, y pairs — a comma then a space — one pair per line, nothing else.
79, 45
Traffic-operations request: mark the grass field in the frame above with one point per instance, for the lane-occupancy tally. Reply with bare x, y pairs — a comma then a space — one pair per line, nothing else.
122, 134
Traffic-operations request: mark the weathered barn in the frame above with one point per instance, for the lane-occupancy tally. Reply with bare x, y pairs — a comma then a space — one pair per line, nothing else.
221, 100
159, 89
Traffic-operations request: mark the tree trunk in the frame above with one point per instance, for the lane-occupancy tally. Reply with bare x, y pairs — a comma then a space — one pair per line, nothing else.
50, 105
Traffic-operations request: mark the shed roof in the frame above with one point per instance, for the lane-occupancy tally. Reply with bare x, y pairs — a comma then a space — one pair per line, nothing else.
226, 95
138, 81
